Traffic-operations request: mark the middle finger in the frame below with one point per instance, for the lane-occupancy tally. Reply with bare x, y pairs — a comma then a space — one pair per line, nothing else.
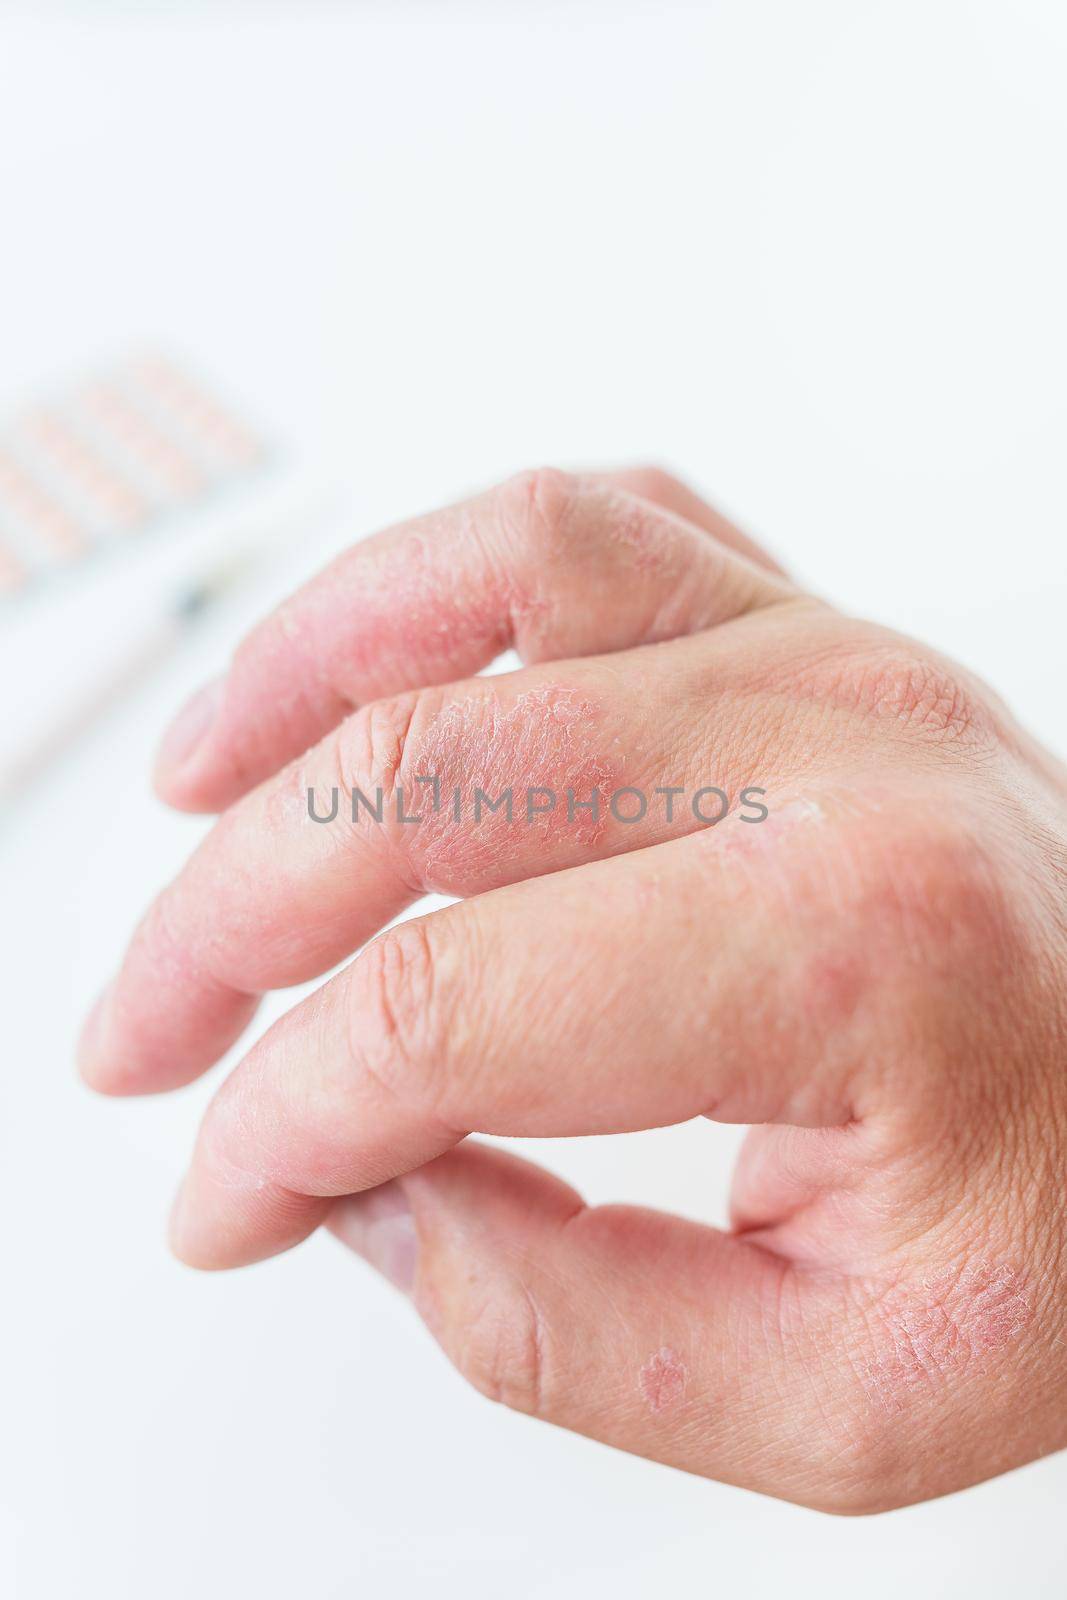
273, 897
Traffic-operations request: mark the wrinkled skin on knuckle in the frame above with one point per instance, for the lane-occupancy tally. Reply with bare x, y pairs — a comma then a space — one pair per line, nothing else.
565, 520
952, 1380
893, 685
813, 1436
370, 746
601, 568
983, 953
862, 1468
913, 955
545, 535
399, 1003
923, 1379
376, 776
928, 906
906, 686
878, 1420
835, 1460
499, 1347
540, 505
888, 939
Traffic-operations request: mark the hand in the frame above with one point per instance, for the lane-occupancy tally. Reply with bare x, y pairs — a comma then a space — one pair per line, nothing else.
875, 973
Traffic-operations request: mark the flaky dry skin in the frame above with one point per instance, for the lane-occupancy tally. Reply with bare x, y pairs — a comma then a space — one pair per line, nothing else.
874, 976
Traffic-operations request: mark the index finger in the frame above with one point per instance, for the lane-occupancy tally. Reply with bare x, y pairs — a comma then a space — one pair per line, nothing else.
553, 565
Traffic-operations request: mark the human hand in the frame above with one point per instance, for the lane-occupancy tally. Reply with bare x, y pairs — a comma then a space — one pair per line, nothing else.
874, 974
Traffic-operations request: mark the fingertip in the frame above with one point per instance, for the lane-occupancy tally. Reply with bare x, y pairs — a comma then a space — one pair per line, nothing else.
107, 1067
185, 1242
180, 796
181, 774
224, 1217
191, 1242
96, 1063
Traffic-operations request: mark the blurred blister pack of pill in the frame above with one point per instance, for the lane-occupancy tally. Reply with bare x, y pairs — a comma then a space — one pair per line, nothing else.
131, 498
123, 454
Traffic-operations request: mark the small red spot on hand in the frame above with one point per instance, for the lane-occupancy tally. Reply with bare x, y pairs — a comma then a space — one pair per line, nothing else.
664, 1377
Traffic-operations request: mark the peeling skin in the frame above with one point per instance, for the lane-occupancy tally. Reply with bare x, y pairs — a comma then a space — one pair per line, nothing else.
927, 1332
544, 738
650, 539
663, 1380
375, 587
787, 816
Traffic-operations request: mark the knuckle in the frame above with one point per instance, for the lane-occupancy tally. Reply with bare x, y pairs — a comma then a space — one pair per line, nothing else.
922, 872
540, 504
500, 1348
397, 1020
938, 892
859, 1469
917, 972
917, 1353
371, 745
651, 482
899, 683
855, 1427
862, 1446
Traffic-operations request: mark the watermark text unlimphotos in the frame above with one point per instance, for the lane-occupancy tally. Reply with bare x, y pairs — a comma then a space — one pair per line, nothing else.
529, 807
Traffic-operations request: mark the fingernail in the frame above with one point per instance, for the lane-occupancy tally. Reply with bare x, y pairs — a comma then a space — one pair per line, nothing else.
378, 1225
189, 727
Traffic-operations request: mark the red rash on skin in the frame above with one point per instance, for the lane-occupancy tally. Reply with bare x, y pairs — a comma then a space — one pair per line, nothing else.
543, 738
651, 540
663, 1380
833, 986
952, 1320
373, 589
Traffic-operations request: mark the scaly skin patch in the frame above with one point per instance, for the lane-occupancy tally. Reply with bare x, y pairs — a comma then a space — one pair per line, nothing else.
438, 600
928, 1332
543, 738
663, 1380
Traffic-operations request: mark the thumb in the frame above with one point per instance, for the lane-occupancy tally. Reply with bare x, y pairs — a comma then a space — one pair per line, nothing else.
660, 1336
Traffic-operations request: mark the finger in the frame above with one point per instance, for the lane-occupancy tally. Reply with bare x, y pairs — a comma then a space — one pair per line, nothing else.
658, 1336
552, 565
664, 489
578, 761
713, 991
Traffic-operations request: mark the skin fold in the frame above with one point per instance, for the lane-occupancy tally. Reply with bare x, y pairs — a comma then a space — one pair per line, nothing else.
874, 977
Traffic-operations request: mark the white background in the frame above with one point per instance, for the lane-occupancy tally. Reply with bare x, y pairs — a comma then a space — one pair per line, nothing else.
812, 256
